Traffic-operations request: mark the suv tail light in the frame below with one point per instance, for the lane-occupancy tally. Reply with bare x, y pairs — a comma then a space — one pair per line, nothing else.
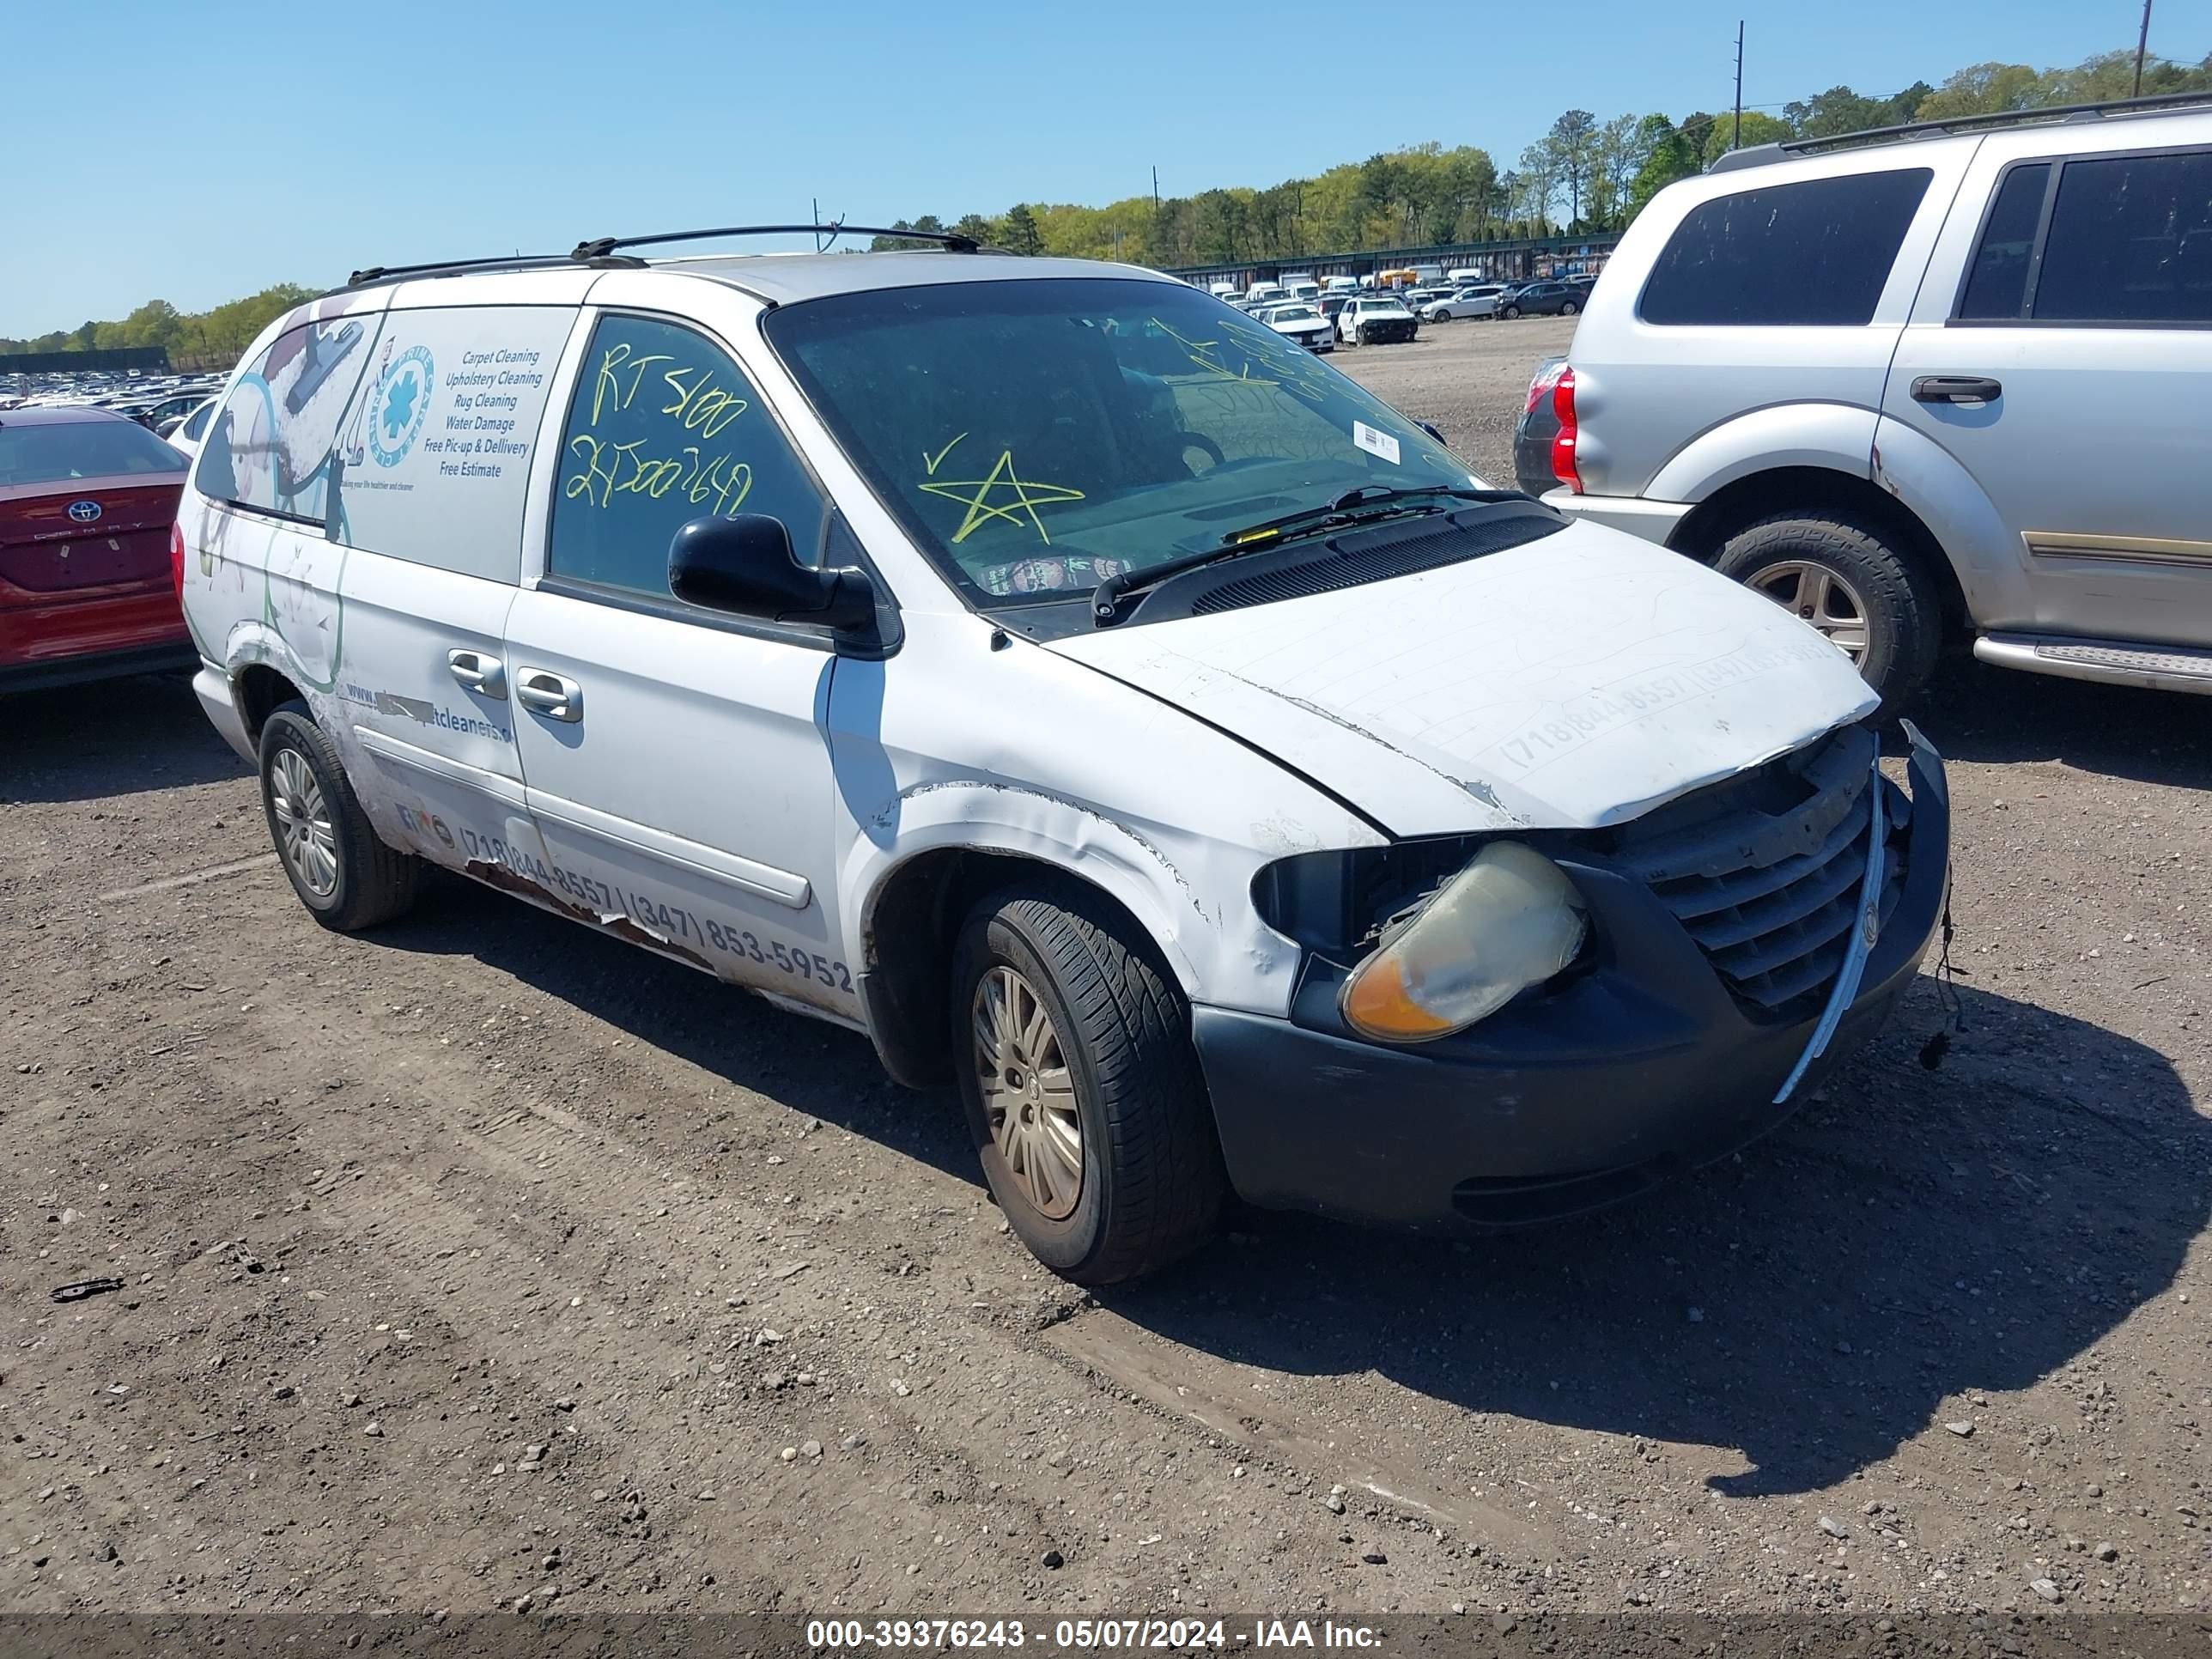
1563, 442
177, 559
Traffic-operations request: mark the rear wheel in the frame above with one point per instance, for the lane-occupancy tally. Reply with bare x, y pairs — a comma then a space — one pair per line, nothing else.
1568, 308
1083, 1091
347, 878
1871, 601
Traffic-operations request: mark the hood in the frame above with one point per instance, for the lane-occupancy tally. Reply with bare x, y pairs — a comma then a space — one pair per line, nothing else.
1574, 682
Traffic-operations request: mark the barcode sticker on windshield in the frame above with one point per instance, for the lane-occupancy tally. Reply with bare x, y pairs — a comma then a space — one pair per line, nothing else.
1374, 442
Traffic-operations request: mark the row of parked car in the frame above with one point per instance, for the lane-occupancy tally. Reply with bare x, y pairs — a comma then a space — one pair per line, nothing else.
160, 402
1324, 320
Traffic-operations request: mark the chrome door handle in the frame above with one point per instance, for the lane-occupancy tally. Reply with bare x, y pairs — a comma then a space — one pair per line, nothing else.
486, 676
554, 695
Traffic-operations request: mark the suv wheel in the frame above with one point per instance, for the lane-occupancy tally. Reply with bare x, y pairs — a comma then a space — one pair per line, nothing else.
1508, 310
347, 878
1082, 1088
1363, 335
1568, 308
1875, 604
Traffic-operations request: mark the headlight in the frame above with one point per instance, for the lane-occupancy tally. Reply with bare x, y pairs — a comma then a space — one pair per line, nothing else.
1509, 920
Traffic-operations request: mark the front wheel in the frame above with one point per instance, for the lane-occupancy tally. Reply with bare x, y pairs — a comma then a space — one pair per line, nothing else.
1082, 1091
1871, 601
1365, 336
1510, 311
347, 878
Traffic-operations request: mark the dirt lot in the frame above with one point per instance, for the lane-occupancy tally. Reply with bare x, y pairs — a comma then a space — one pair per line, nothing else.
1468, 380
483, 1257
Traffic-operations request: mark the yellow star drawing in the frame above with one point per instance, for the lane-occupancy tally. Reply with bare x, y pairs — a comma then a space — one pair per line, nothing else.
1027, 498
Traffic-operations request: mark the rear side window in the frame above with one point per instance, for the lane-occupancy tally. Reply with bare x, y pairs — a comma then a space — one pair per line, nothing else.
45, 453
269, 446
665, 429
2130, 241
433, 462
1809, 254
1997, 286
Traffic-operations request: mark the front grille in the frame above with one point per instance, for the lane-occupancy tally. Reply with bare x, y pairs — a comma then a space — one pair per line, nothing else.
1764, 870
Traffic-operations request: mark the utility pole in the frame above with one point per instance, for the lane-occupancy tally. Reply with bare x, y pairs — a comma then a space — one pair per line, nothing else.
2142, 40
1736, 143
815, 218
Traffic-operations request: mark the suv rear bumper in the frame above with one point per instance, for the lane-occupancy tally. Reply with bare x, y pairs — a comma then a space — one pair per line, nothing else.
1651, 521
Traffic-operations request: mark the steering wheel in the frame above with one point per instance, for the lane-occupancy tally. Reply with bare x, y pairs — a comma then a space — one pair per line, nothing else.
1198, 440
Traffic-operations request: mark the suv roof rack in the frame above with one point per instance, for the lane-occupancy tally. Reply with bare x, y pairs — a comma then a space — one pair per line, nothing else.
603, 251
1757, 155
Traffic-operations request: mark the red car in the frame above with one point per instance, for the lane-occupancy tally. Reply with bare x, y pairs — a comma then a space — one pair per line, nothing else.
87, 502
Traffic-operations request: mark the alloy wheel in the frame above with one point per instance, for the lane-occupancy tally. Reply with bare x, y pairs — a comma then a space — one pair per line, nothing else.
1029, 1093
304, 833
1818, 595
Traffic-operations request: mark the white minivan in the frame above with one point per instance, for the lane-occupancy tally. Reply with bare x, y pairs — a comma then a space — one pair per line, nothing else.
1076, 687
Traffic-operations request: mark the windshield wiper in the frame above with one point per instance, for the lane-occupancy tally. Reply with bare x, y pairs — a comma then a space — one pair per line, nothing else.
1343, 509
1106, 606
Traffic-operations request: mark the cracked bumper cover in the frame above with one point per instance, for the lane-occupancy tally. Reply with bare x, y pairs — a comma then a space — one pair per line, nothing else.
1642, 1068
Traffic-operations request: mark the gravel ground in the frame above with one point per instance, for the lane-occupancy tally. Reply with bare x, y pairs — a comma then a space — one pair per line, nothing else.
482, 1258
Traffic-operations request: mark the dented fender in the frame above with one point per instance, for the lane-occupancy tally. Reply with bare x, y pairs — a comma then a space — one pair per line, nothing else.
957, 744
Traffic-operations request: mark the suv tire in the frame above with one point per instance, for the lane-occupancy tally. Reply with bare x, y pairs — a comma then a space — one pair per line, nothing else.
1568, 308
1102, 1157
1901, 615
348, 878
1508, 310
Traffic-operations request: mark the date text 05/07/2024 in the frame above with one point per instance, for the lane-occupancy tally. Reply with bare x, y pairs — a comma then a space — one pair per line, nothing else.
1088, 1635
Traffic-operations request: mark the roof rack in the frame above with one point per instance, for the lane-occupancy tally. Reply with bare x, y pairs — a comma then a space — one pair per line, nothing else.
952, 242
1756, 156
375, 274
603, 251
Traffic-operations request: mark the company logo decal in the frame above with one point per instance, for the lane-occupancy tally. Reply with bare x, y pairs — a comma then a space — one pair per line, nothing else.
399, 405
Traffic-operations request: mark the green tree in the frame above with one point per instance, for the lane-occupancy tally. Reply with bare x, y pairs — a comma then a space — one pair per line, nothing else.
1021, 233
1572, 143
1759, 128
1668, 154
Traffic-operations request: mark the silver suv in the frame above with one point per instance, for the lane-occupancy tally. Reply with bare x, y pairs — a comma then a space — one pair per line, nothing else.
1951, 380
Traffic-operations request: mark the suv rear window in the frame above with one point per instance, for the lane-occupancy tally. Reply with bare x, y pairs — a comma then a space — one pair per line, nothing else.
1809, 254
2130, 241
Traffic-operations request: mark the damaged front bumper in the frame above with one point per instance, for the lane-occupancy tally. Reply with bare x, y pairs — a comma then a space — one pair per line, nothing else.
1647, 1064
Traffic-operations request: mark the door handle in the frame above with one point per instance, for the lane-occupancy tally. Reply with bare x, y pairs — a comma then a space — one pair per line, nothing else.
554, 695
1956, 389
485, 675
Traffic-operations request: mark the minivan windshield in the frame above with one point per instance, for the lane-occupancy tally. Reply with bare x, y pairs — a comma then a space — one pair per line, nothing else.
1040, 436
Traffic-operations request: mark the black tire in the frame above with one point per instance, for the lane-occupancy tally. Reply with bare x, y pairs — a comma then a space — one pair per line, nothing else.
374, 883
1153, 1181
1508, 310
1567, 308
1902, 610
1365, 336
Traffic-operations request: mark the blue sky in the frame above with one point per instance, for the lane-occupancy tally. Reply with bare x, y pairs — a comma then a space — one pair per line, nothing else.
197, 151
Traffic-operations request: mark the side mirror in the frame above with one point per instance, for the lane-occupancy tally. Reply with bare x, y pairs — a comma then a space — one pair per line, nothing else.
743, 566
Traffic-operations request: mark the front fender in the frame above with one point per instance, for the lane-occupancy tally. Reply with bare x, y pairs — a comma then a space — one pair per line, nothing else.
992, 815
1837, 436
